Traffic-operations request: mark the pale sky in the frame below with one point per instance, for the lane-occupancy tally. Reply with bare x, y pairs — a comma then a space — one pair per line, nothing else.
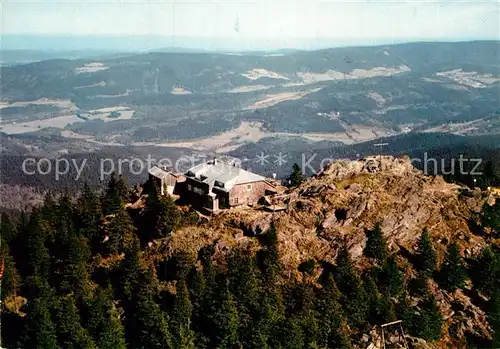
285, 20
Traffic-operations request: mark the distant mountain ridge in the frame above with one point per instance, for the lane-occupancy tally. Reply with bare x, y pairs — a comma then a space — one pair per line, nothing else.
347, 94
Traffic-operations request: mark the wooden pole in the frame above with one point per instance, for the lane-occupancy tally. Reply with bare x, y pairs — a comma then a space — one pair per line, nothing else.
403, 334
383, 339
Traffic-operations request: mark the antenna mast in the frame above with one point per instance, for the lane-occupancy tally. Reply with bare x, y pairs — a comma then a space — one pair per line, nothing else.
380, 146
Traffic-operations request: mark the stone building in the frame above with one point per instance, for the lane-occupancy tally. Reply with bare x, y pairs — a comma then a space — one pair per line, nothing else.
216, 185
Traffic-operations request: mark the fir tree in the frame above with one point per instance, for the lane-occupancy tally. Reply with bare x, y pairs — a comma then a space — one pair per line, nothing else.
112, 200
306, 313
376, 246
103, 321
225, 317
168, 216
425, 321
7, 229
40, 331
10, 279
490, 175
493, 314
148, 327
70, 333
181, 317
130, 280
244, 284
386, 309
332, 329
48, 211
271, 311
38, 261
122, 188
349, 283
89, 215
64, 219
373, 298
453, 273
432, 320
427, 259
296, 177
491, 216
76, 273
121, 232
293, 334
270, 255
390, 278
486, 272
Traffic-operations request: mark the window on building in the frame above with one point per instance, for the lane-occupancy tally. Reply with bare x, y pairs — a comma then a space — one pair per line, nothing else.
235, 200
198, 191
249, 187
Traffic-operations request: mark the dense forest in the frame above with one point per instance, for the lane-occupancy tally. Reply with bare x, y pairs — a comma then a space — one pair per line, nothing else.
77, 273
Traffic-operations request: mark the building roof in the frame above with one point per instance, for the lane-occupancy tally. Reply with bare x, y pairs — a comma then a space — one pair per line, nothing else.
222, 175
159, 172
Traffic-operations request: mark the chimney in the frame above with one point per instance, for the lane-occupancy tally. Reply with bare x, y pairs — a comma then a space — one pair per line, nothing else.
215, 161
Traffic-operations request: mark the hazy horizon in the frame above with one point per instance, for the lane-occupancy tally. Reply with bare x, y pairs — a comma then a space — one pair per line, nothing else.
256, 25
137, 43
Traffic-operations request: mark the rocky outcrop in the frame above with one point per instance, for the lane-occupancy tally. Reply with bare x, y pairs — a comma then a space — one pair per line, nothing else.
336, 208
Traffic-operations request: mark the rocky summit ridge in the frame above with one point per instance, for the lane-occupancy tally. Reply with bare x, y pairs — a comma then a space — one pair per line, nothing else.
337, 206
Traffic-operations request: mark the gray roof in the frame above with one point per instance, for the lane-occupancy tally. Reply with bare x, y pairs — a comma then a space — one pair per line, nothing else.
158, 172
222, 175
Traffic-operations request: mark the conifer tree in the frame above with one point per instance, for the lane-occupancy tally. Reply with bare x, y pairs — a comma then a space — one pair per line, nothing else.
197, 291
453, 273
225, 317
70, 333
121, 232
148, 326
386, 309
7, 229
64, 219
376, 246
103, 321
131, 277
10, 278
293, 334
76, 273
112, 200
296, 177
332, 329
122, 188
181, 318
38, 261
349, 283
168, 216
486, 273
493, 315
89, 215
271, 310
305, 311
48, 211
39, 331
491, 216
244, 284
491, 177
432, 320
204, 291
427, 258
63, 229
390, 278
424, 321
373, 298
271, 257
